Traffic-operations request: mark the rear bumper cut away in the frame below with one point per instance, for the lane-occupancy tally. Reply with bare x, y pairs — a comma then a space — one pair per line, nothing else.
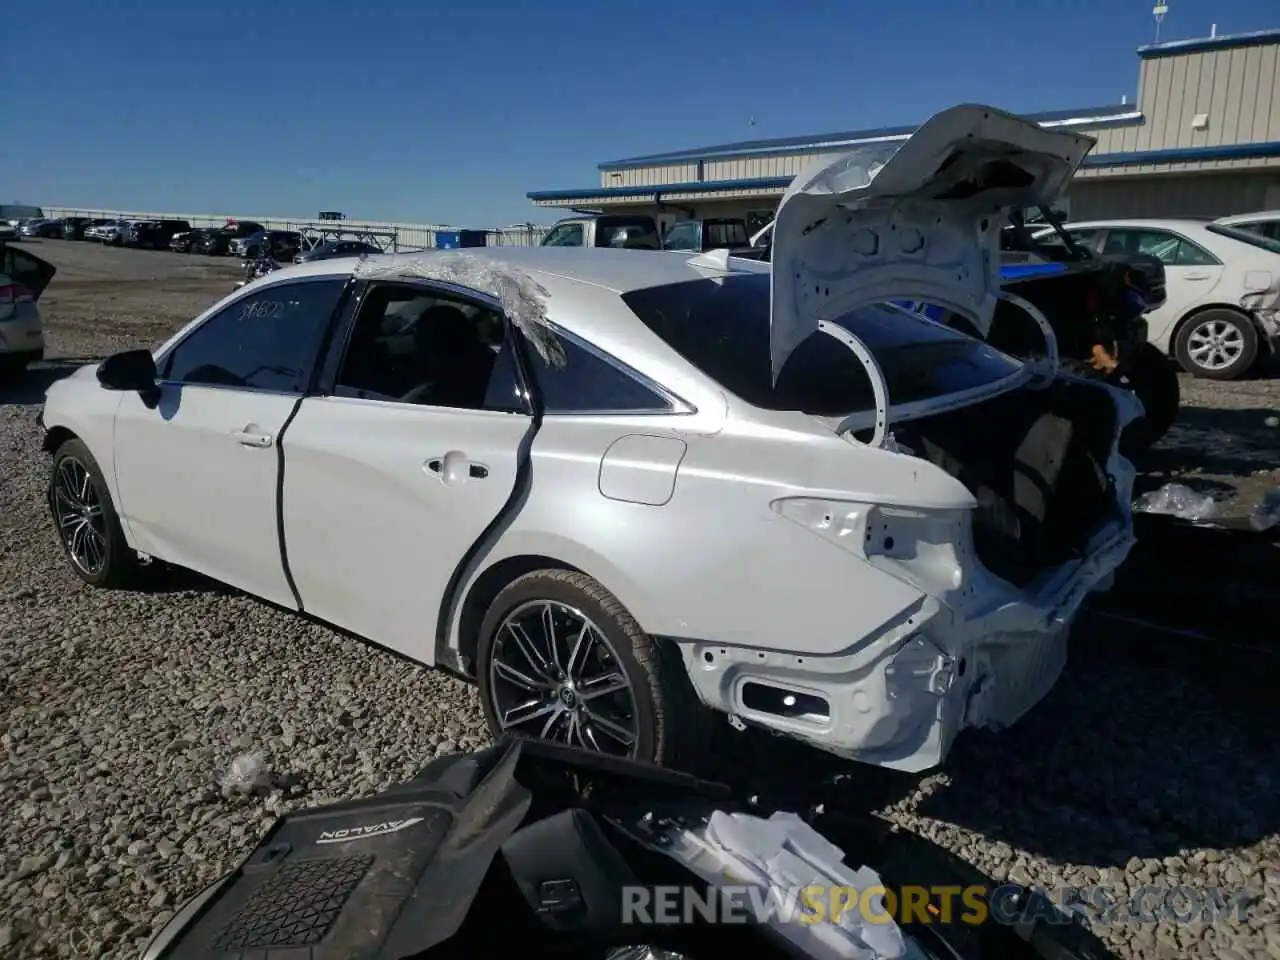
898, 699
903, 707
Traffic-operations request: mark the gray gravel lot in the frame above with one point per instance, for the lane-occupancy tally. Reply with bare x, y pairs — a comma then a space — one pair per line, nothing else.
119, 712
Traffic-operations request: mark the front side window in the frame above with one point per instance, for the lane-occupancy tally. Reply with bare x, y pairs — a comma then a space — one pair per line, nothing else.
631, 233
267, 340
411, 344
722, 328
565, 235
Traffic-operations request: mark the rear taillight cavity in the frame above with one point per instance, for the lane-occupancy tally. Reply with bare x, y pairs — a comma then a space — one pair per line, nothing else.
16, 293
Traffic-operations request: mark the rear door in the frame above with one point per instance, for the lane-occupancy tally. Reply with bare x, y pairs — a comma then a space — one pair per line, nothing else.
198, 474
1191, 273
396, 470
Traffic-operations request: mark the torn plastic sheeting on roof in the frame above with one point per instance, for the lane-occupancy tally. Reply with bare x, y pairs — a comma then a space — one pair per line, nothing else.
523, 299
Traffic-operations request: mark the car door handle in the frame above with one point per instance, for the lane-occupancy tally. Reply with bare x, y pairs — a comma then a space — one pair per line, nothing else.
477, 471
248, 438
1196, 276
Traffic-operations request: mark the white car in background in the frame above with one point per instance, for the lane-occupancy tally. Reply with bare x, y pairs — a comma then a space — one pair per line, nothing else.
1265, 223
23, 277
1222, 282
617, 489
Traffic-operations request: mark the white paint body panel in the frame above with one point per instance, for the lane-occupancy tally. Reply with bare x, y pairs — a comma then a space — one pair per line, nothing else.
373, 534
193, 494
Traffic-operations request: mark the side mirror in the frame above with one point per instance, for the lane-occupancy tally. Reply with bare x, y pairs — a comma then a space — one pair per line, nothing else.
131, 370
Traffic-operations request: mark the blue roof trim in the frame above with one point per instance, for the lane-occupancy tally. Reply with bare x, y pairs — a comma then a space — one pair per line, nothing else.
1233, 151
697, 186
1171, 48
1229, 151
802, 144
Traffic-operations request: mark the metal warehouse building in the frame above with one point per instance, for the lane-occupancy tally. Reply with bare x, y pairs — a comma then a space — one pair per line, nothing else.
1203, 139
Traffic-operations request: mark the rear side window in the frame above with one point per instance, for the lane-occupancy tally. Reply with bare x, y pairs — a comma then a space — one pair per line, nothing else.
587, 382
268, 340
722, 328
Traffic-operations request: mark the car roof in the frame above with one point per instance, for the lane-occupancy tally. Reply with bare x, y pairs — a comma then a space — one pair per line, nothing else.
1250, 217
1169, 223
620, 271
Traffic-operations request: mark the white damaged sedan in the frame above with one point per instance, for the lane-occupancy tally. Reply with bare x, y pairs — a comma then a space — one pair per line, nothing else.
623, 492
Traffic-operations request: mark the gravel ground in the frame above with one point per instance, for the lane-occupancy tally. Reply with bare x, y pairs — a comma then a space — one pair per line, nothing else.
121, 712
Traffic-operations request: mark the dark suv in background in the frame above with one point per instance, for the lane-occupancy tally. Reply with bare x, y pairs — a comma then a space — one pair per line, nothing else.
218, 242
155, 234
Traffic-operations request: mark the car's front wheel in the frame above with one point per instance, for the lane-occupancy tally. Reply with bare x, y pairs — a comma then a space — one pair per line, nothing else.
1217, 345
86, 521
561, 659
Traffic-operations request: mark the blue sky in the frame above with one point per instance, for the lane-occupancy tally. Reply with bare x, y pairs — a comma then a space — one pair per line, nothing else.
449, 111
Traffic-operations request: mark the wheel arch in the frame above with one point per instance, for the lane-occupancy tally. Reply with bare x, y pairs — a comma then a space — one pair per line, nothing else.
1186, 318
55, 437
480, 595
456, 649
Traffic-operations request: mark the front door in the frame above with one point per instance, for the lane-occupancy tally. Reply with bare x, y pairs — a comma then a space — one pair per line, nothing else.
391, 477
198, 475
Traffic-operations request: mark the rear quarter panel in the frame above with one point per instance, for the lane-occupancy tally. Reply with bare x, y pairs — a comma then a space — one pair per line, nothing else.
714, 562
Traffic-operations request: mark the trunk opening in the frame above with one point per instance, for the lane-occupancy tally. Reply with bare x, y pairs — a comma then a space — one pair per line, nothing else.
1035, 460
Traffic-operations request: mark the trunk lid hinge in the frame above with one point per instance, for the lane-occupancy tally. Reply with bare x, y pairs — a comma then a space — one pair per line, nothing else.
879, 388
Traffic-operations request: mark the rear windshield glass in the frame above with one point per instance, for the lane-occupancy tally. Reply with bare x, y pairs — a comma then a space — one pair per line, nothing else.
722, 328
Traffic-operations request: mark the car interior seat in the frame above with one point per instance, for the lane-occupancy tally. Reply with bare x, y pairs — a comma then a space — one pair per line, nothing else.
455, 360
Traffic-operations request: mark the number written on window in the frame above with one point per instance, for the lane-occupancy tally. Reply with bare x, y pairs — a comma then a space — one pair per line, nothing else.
267, 340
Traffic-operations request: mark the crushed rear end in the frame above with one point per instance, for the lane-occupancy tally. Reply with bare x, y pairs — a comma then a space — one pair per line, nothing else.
1039, 452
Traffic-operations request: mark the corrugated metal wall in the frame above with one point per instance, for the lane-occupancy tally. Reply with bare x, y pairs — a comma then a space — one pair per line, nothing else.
1237, 89
409, 236
1195, 195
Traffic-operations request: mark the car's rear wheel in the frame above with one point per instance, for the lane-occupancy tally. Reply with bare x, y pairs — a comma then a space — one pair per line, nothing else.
86, 521
1154, 381
561, 659
1217, 345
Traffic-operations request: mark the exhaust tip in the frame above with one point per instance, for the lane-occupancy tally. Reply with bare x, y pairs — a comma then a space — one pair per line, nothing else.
781, 702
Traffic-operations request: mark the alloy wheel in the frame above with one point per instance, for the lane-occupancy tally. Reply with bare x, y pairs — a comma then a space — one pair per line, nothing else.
554, 675
1215, 344
77, 507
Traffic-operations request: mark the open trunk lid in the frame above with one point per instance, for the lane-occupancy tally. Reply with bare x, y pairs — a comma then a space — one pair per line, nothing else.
918, 221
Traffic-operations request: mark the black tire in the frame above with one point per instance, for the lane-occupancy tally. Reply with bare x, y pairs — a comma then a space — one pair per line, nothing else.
1235, 327
671, 726
12, 367
1154, 380
119, 564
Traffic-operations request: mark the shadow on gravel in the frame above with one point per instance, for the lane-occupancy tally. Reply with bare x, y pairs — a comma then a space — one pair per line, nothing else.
163, 579
1208, 440
1151, 746
29, 390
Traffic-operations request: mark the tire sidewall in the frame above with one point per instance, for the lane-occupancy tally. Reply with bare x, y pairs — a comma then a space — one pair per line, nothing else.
1236, 369
640, 678
1154, 381
75, 449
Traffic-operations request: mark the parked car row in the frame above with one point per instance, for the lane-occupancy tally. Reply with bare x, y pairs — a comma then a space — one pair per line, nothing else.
1221, 311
